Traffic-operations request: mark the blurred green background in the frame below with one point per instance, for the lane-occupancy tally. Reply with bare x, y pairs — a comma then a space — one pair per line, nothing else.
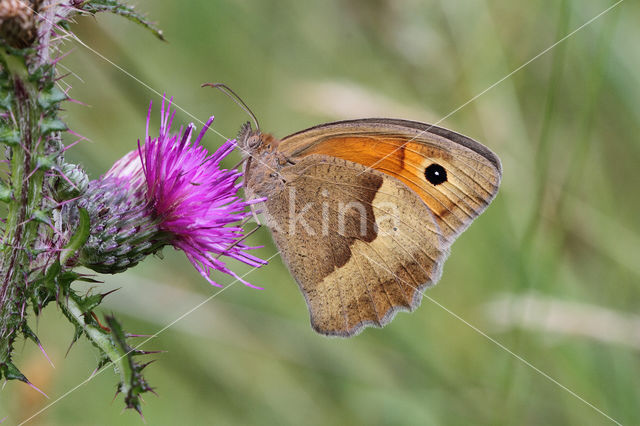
551, 270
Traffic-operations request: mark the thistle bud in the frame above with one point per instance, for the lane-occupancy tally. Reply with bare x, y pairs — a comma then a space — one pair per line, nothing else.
122, 231
18, 22
72, 182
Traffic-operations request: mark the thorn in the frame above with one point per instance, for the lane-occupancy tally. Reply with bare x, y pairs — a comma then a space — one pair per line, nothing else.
143, 366
141, 352
59, 58
93, 373
116, 395
139, 410
62, 76
78, 135
127, 335
45, 354
109, 292
69, 348
75, 101
36, 388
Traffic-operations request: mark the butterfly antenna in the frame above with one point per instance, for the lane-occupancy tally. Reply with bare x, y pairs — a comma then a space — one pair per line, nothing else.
237, 99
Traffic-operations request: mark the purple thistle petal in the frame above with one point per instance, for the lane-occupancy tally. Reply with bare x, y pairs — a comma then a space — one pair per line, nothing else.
189, 196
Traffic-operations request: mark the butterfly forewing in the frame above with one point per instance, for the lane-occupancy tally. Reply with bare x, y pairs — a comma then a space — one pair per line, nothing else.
407, 150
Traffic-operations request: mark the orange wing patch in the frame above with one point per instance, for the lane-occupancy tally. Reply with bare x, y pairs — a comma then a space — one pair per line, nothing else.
468, 189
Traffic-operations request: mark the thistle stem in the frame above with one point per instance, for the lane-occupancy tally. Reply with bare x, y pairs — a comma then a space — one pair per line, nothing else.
100, 339
19, 233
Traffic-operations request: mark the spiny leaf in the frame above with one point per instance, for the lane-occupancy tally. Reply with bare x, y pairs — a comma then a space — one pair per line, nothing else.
104, 360
76, 335
50, 98
46, 162
137, 384
118, 8
28, 333
11, 372
42, 217
6, 99
80, 236
52, 125
40, 297
65, 279
9, 135
89, 303
43, 74
6, 194
52, 274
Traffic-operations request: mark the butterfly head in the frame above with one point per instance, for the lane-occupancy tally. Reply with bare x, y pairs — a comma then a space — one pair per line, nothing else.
255, 142
249, 139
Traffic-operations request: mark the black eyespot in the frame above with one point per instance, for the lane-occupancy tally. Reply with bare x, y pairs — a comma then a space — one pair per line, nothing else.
435, 174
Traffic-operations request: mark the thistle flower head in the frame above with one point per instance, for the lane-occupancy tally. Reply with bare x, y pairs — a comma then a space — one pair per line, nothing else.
173, 192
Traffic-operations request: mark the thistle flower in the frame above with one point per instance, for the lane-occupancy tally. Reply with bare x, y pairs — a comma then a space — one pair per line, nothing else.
170, 191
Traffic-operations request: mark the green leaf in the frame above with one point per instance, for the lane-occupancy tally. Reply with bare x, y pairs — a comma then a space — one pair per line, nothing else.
43, 74
119, 8
88, 303
6, 99
51, 98
40, 298
28, 333
135, 384
79, 237
52, 274
11, 372
67, 277
46, 163
6, 194
52, 125
42, 217
77, 334
9, 135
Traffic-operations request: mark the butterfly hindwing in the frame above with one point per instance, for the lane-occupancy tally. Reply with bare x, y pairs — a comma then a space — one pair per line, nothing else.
360, 245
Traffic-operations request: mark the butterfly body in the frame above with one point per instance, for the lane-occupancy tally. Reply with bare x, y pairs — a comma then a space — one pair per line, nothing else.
364, 211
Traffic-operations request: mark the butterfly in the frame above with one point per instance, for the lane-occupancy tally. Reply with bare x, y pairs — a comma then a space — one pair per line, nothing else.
364, 212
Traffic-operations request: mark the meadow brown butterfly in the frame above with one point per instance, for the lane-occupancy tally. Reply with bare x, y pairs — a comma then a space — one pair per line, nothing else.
364, 211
